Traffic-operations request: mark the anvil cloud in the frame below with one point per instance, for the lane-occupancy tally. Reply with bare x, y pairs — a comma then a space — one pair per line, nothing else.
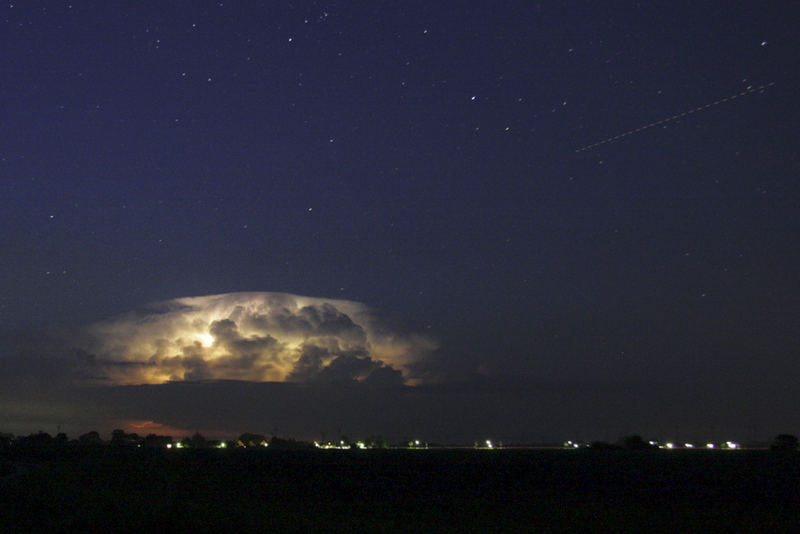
250, 336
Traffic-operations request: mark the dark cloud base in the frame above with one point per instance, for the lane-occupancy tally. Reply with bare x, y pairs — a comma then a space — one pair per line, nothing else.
445, 413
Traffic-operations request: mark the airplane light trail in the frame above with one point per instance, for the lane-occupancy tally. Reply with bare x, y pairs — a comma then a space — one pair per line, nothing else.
607, 140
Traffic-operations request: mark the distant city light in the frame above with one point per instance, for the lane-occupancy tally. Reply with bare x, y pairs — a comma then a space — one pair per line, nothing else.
670, 445
688, 445
709, 445
334, 445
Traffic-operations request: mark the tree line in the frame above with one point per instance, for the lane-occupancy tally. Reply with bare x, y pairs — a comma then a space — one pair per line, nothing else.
120, 438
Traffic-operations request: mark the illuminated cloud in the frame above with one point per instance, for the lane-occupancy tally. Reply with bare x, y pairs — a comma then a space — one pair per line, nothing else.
261, 337
145, 427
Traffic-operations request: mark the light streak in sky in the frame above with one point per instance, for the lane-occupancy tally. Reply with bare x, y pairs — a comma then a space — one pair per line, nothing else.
607, 140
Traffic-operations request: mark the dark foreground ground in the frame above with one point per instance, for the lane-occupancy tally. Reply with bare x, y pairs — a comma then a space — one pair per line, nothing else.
108, 490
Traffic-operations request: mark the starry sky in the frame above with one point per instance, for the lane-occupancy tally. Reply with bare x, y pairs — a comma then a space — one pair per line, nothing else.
528, 219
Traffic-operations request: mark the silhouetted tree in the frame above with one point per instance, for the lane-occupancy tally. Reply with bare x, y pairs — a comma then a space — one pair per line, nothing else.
198, 441
153, 440
118, 437
90, 438
784, 442
37, 439
281, 443
6, 440
121, 438
251, 440
636, 443
377, 442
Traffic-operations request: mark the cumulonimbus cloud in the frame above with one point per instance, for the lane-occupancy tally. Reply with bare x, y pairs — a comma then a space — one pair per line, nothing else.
251, 336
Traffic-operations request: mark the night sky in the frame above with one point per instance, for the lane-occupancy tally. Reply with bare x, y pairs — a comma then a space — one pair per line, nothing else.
407, 218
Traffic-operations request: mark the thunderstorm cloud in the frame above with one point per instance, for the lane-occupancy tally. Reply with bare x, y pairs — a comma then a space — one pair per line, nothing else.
262, 337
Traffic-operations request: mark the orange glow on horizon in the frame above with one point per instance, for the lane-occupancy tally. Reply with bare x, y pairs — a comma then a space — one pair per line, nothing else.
143, 428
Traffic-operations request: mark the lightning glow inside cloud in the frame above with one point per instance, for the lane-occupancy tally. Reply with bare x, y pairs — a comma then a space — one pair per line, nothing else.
251, 336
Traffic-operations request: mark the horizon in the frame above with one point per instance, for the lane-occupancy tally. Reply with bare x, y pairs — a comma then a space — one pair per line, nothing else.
196, 439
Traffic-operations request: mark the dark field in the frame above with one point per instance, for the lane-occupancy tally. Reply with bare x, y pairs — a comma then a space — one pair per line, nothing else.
118, 490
